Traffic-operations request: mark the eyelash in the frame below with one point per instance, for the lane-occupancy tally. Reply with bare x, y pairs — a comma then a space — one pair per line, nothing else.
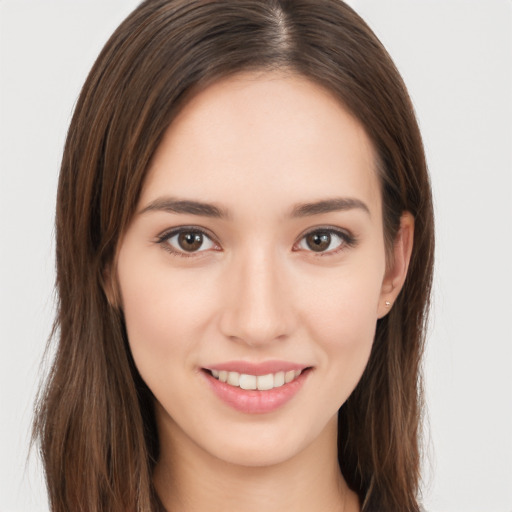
347, 240
164, 238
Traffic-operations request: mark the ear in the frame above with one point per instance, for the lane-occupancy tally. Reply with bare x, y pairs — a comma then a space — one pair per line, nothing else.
396, 270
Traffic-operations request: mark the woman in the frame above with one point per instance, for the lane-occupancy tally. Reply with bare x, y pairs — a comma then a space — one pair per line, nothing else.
244, 260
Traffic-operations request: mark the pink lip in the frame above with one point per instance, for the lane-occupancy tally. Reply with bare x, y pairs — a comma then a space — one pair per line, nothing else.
255, 401
263, 368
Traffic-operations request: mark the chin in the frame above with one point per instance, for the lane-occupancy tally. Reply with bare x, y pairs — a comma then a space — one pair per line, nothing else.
257, 454
270, 444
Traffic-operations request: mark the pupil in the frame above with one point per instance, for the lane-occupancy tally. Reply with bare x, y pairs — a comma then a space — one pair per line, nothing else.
190, 241
318, 241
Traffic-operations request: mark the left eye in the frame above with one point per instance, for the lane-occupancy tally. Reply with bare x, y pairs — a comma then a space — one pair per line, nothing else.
188, 241
322, 241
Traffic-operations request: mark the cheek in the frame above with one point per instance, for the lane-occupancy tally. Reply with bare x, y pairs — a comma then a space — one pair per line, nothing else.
166, 313
345, 333
345, 299
341, 314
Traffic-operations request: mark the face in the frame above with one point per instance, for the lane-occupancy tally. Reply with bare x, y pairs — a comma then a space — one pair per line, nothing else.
256, 257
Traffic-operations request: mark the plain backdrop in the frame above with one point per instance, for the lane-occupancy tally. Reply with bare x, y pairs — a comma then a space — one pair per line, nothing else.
456, 57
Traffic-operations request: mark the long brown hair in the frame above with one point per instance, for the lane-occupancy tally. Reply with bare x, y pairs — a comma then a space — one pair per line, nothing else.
94, 419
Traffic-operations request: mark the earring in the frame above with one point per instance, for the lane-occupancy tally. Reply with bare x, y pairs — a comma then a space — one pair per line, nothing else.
387, 303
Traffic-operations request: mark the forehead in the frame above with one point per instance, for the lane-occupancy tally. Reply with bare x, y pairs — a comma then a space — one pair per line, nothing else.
274, 137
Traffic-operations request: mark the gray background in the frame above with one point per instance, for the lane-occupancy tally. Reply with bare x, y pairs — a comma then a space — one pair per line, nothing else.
456, 57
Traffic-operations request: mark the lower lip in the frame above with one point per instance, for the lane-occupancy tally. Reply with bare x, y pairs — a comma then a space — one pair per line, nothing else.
251, 401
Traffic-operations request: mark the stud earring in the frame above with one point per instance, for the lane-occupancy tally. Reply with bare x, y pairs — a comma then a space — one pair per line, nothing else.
387, 303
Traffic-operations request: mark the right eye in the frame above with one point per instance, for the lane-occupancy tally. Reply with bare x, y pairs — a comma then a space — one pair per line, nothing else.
187, 242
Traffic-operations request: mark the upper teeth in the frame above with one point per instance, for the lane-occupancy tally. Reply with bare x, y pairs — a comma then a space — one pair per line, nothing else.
261, 382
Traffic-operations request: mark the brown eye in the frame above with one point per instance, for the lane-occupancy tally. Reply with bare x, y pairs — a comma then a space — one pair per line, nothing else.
318, 241
325, 241
187, 242
190, 240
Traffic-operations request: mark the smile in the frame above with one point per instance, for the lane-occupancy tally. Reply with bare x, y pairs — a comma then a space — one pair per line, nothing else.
253, 382
256, 388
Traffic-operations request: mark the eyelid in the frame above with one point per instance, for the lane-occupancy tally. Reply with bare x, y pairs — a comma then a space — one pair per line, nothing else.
172, 232
349, 240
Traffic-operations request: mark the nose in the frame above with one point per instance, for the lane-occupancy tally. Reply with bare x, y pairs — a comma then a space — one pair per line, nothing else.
257, 304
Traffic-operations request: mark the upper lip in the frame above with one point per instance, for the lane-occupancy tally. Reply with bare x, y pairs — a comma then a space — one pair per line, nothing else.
252, 368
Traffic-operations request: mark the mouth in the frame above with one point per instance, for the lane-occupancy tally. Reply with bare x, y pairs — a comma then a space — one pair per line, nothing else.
248, 381
256, 389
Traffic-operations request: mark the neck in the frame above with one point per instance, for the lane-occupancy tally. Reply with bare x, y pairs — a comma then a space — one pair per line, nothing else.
188, 479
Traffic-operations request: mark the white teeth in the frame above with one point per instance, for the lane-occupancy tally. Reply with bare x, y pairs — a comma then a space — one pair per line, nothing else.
278, 379
233, 378
265, 382
247, 381
260, 382
289, 376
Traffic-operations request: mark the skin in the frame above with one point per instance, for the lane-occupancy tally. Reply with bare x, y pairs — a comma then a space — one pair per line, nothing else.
256, 146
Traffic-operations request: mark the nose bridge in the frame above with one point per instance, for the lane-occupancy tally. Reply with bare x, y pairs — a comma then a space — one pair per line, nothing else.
257, 309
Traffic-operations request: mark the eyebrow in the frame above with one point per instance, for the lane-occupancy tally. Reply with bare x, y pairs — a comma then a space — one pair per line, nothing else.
171, 205
185, 206
335, 204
